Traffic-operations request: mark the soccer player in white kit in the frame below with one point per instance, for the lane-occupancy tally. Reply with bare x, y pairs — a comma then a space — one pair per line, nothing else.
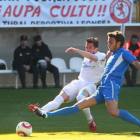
89, 78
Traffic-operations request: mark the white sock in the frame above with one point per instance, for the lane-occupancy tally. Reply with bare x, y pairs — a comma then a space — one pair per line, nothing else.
53, 105
88, 115
86, 111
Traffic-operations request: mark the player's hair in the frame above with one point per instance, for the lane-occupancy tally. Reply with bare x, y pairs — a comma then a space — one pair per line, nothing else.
93, 40
118, 36
135, 37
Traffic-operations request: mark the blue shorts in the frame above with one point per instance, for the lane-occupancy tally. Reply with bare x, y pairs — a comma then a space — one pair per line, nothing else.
107, 91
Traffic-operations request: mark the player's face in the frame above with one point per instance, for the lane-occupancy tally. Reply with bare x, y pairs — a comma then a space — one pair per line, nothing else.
112, 44
90, 48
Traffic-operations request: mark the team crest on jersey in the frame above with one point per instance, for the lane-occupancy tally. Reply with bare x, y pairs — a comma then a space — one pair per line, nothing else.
120, 10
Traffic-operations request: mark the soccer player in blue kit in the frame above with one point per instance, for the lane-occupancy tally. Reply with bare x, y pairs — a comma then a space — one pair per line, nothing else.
111, 83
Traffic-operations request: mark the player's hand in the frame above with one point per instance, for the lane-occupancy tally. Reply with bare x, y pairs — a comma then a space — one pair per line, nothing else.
71, 49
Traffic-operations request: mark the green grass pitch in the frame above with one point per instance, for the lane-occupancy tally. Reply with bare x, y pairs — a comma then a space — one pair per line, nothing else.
14, 109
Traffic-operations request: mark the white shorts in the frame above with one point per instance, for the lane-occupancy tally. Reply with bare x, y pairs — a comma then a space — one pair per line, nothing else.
73, 88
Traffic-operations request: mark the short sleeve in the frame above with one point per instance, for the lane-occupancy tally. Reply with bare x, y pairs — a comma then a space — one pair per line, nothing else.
127, 56
101, 56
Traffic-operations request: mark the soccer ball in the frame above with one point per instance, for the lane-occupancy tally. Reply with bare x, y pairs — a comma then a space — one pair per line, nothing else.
24, 129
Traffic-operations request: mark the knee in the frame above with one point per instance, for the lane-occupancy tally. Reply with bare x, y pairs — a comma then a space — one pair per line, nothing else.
80, 97
114, 112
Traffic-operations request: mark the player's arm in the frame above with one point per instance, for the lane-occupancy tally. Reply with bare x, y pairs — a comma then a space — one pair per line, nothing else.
136, 64
131, 59
83, 53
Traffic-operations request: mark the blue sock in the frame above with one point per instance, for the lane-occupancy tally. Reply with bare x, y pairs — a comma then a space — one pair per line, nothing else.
64, 111
126, 116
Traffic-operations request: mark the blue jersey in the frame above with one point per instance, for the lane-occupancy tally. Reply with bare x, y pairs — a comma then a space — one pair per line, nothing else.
116, 65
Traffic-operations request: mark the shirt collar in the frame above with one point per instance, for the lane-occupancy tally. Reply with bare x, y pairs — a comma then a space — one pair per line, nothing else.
119, 50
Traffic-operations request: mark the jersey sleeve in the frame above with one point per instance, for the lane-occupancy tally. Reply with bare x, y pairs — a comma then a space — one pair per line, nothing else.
101, 56
127, 56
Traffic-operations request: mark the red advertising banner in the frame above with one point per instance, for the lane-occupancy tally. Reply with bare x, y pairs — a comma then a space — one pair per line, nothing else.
64, 12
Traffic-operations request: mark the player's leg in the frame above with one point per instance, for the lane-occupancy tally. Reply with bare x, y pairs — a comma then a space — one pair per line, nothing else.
87, 102
93, 100
82, 95
111, 99
112, 107
68, 93
52, 105
96, 98
90, 101
56, 102
86, 92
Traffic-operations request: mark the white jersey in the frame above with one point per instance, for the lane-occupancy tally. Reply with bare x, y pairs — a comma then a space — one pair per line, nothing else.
92, 71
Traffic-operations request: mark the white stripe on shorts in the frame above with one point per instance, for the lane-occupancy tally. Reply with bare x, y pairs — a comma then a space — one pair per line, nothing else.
112, 89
